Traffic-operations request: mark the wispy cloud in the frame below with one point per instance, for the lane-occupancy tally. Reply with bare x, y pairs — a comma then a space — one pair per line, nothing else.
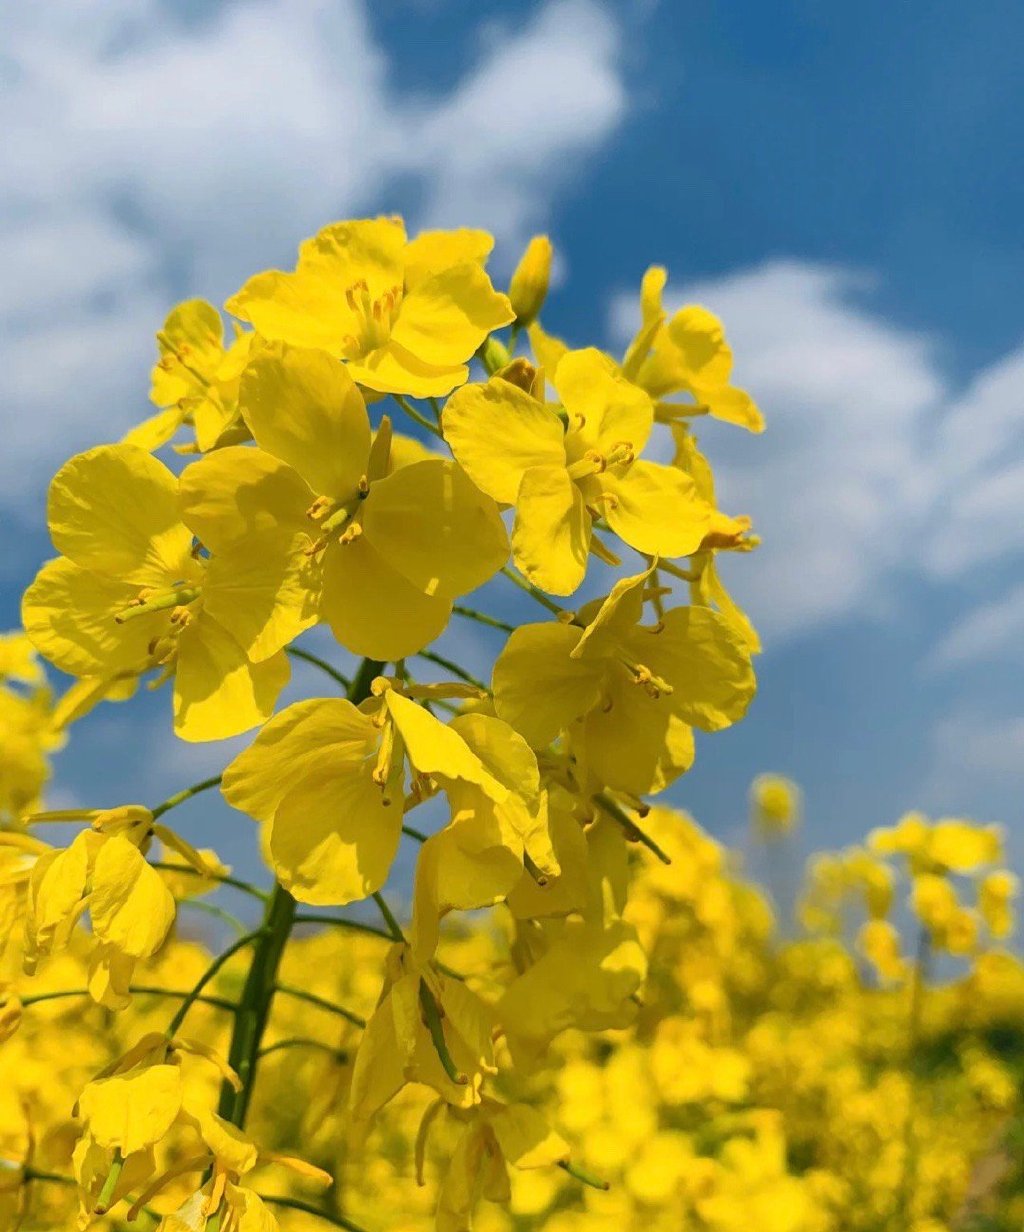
147, 158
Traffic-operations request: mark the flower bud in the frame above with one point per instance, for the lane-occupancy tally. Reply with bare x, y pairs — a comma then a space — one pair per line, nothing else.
529, 286
774, 804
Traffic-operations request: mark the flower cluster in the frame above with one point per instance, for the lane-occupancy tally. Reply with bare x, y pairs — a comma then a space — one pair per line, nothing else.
625, 1016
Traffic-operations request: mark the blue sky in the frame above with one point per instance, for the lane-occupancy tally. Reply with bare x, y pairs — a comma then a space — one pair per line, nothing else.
841, 182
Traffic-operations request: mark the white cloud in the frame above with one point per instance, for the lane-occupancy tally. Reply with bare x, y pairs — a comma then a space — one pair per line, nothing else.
993, 632
873, 465
146, 159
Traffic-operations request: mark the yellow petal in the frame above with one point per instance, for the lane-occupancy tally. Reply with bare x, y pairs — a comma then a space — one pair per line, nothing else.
69, 613
114, 510
130, 906
655, 509
432, 251
445, 317
132, 1111
392, 369
548, 350
525, 1138
239, 492
191, 342
700, 655
218, 692
551, 534
538, 688
640, 744
296, 745
498, 432
373, 610
333, 838
604, 408
436, 528
303, 408
378, 1073
265, 591
436, 748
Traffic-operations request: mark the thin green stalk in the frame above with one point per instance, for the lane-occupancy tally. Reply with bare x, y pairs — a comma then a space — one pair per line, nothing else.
532, 591
619, 814
393, 925
181, 796
217, 913
142, 989
582, 1175
414, 414
221, 878
304, 1041
295, 1204
449, 665
356, 926
182, 1011
311, 998
322, 664
418, 835
482, 618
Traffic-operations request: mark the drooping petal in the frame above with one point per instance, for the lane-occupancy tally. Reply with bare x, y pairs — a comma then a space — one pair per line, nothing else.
114, 510
433, 525
130, 906
552, 530
218, 691
655, 509
373, 610
303, 408
434, 747
525, 1138
498, 432
333, 838
296, 745
538, 688
445, 317
132, 1111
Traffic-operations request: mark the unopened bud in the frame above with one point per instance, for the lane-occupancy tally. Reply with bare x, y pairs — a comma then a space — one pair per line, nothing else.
529, 286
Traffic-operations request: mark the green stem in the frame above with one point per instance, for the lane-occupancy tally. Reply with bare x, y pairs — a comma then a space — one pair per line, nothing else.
146, 990
412, 832
295, 1204
322, 664
217, 913
449, 665
311, 998
356, 926
304, 1041
174, 1026
470, 613
532, 591
104, 1201
619, 814
181, 796
581, 1174
393, 925
254, 1005
414, 414
221, 879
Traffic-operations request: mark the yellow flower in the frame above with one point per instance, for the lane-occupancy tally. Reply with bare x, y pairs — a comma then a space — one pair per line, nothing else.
426, 1028
195, 380
633, 691
775, 804
687, 354
18, 659
316, 524
128, 595
405, 316
995, 902
518, 450
326, 779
